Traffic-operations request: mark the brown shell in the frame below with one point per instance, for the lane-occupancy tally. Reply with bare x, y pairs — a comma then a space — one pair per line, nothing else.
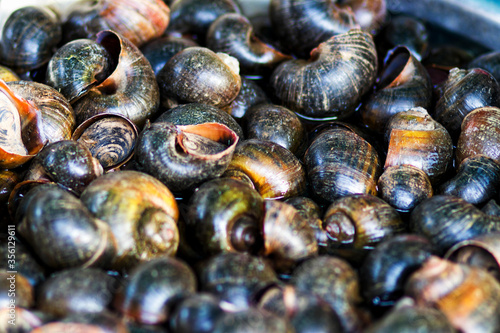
273, 170
331, 83
232, 33
141, 212
480, 134
110, 138
199, 75
288, 238
417, 139
355, 224
402, 85
468, 296
131, 90
137, 20
183, 156
339, 162
482, 251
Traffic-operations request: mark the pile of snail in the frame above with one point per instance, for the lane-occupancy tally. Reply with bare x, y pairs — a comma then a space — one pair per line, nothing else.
177, 166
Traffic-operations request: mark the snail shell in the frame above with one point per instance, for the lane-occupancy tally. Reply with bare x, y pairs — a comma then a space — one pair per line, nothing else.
141, 213
330, 84
476, 181
417, 139
58, 117
232, 33
224, 215
339, 162
288, 238
482, 251
268, 167
29, 38
78, 290
68, 163
480, 134
64, 231
78, 66
277, 124
469, 297
131, 89
336, 282
303, 25
489, 61
252, 320
8, 74
408, 317
21, 138
385, 270
236, 278
196, 313
110, 138
446, 220
194, 17
404, 187
183, 156
152, 288
408, 31
199, 75
403, 84
160, 50
357, 223
462, 92
137, 20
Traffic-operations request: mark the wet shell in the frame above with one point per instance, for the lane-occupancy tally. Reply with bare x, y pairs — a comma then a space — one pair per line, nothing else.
330, 84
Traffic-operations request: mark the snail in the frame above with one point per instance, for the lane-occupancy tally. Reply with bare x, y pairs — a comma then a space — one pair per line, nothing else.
236, 278
252, 320
482, 251
402, 85
152, 289
288, 238
464, 91
183, 156
224, 215
194, 17
29, 38
479, 134
160, 50
339, 162
196, 313
198, 113
72, 236
304, 25
232, 33
110, 138
335, 281
476, 181
467, 296
355, 224
108, 75
404, 187
199, 75
268, 167
331, 83
277, 124
137, 20
407, 317
78, 290
140, 212
446, 220
417, 139
250, 94
68, 163
385, 270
